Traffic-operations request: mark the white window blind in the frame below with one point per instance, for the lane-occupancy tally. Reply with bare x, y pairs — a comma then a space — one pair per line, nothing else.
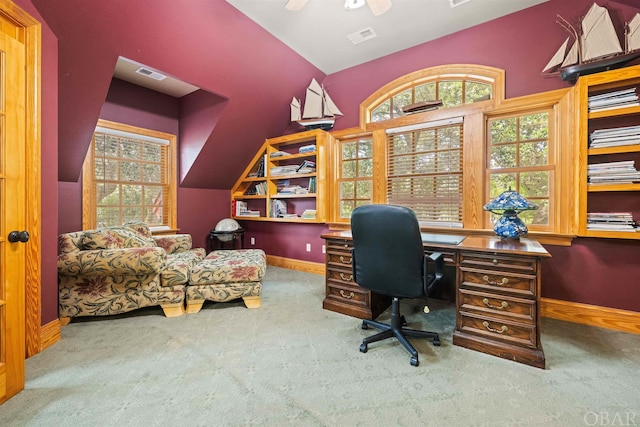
424, 171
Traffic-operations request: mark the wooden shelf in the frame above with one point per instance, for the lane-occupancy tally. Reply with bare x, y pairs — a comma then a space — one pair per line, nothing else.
606, 234
598, 188
298, 203
608, 81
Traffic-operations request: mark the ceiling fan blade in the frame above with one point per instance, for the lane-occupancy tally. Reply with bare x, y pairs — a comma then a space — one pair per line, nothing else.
378, 7
295, 5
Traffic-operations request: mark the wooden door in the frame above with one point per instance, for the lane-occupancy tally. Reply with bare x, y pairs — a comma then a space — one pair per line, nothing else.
13, 236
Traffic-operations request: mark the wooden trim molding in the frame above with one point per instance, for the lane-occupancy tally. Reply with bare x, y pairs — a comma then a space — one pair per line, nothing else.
50, 334
592, 315
296, 264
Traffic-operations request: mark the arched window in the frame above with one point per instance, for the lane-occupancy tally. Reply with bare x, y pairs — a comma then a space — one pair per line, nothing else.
454, 85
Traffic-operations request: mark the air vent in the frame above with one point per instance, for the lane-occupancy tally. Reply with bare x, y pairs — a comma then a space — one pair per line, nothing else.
150, 73
362, 35
455, 3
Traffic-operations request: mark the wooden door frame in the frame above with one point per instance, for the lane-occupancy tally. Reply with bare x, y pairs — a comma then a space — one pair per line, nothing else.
32, 42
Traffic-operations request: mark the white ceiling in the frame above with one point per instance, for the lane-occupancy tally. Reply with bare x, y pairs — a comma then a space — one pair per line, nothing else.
319, 31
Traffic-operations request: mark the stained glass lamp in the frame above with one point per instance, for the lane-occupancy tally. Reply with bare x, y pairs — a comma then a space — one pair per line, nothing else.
509, 204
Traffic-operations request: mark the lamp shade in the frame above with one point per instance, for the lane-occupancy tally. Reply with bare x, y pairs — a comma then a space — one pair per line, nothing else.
509, 200
509, 203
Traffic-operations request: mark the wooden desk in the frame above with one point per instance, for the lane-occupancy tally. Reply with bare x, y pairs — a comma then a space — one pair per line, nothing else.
497, 292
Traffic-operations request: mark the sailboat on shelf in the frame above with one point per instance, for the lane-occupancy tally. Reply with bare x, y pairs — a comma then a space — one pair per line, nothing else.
319, 109
596, 46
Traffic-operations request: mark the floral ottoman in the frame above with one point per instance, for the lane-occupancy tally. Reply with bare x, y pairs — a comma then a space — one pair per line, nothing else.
226, 275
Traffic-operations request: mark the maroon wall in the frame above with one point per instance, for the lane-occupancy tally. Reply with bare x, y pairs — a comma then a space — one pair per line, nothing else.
239, 65
592, 271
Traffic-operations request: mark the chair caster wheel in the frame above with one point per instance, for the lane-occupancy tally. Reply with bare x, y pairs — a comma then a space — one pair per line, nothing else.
363, 348
436, 342
414, 361
403, 321
365, 326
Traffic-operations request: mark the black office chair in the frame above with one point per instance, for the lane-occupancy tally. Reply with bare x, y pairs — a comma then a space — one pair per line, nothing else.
388, 258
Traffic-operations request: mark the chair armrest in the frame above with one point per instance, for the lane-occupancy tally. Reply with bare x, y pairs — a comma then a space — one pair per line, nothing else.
174, 243
435, 273
112, 262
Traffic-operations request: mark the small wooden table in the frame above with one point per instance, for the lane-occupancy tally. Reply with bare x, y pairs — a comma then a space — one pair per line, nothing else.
235, 238
497, 291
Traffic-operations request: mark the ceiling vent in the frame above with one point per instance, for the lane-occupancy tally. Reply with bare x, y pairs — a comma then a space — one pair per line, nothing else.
150, 73
362, 35
455, 3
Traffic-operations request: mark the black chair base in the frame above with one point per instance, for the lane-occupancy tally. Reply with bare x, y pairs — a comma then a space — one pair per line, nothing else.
395, 329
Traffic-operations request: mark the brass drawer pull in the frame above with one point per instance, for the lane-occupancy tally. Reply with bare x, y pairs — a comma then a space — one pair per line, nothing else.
347, 295
495, 307
503, 282
346, 277
501, 331
345, 260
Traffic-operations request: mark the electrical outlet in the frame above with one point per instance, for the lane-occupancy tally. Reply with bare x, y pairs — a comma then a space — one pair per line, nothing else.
253, 241
308, 247
324, 249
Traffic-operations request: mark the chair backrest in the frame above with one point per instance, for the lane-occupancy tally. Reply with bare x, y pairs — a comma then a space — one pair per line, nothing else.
388, 256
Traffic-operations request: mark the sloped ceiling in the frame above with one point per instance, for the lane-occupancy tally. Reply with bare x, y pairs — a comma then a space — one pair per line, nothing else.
208, 44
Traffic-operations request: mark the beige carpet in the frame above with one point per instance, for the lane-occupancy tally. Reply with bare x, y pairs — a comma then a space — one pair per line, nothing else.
292, 363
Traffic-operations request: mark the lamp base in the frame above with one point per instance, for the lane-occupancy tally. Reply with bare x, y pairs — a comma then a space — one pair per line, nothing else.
509, 226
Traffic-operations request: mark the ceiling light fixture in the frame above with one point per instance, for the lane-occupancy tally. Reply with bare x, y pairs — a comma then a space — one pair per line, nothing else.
353, 4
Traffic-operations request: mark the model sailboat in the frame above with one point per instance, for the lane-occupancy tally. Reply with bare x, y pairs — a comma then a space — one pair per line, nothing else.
319, 109
596, 46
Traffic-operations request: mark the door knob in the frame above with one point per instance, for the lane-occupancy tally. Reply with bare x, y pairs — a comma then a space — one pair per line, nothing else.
19, 236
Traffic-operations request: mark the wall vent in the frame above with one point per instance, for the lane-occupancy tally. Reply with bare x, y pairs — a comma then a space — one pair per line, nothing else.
362, 35
455, 3
150, 73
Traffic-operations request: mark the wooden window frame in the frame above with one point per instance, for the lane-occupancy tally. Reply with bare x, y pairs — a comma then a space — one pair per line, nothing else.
89, 205
562, 102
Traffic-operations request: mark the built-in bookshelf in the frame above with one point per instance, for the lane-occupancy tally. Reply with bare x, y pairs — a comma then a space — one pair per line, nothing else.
609, 132
285, 181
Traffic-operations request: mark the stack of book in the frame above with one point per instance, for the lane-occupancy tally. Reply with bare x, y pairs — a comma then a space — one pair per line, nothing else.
283, 170
278, 208
617, 99
291, 190
615, 137
611, 221
307, 149
613, 173
309, 214
307, 166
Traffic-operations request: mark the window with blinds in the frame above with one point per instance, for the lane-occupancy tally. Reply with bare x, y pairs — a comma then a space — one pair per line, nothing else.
424, 171
130, 177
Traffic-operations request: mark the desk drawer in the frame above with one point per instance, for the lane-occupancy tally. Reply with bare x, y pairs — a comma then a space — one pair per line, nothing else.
498, 281
339, 260
341, 274
507, 331
489, 261
347, 294
499, 306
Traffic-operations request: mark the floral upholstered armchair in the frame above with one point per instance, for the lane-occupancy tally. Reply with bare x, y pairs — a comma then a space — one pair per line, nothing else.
119, 269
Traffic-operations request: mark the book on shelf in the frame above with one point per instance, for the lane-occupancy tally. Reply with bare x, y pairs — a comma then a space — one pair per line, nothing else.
614, 137
306, 166
278, 208
309, 214
238, 206
312, 184
623, 172
611, 100
249, 213
307, 149
611, 221
283, 170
